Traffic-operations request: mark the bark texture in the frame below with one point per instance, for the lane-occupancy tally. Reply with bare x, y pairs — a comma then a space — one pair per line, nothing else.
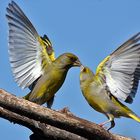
47, 124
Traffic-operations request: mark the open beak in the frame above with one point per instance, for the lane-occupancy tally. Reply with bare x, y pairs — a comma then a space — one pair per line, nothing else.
77, 63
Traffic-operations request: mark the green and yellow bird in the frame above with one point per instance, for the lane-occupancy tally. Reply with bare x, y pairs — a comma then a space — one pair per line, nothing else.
116, 78
32, 59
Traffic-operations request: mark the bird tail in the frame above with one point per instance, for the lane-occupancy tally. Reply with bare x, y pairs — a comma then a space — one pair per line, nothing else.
134, 116
35, 100
27, 96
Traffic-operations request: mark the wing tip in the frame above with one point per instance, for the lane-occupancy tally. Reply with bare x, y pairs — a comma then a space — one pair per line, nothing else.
129, 100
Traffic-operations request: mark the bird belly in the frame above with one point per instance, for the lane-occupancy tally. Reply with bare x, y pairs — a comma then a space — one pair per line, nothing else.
46, 87
96, 102
99, 100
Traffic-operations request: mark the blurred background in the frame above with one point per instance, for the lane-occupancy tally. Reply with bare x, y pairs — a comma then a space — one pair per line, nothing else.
90, 29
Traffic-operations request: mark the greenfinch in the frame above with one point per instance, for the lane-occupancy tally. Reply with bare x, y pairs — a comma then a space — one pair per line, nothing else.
33, 60
116, 79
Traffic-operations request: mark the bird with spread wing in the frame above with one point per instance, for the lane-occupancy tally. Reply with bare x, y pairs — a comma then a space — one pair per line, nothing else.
32, 59
116, 78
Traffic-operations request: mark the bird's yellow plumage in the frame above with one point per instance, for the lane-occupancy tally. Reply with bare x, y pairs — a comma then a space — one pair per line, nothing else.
100, 66
116, 79
33, 60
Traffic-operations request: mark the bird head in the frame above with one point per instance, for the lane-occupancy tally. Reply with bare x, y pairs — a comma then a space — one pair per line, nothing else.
85, 74
68, 60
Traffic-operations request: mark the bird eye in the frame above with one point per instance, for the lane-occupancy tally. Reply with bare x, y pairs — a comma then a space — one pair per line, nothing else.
73, 59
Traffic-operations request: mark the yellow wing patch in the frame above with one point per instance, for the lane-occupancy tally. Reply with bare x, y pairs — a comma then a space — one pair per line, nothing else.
101, 65
99, 76
48, 47
44, 55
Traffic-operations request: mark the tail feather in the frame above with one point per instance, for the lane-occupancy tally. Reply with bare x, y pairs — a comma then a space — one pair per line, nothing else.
36, 100
134, 116
27, 96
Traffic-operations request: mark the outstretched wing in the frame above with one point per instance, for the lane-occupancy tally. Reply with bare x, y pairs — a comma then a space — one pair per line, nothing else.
28, 55
122, 70
49, 47
50, 52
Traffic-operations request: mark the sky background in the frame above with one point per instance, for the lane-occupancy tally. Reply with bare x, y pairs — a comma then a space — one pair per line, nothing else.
91, 29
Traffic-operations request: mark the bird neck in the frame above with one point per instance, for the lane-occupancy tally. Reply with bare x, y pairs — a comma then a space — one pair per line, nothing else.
85, 80
60, 67
61, 64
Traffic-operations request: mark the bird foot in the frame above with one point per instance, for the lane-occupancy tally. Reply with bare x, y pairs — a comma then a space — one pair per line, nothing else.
102, 125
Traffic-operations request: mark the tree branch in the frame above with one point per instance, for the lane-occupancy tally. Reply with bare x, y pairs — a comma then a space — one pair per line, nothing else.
46, 123
41, 129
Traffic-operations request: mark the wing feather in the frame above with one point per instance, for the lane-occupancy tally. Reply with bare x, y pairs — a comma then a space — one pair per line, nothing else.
122, 70
26, 50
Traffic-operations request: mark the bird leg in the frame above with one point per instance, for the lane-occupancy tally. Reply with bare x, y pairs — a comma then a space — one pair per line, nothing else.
112, 125
50, 102
111, 119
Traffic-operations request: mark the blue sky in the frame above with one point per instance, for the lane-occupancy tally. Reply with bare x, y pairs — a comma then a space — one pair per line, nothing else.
91, 29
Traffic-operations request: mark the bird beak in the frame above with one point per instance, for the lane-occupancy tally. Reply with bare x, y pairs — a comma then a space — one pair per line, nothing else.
77, 63
82, 68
